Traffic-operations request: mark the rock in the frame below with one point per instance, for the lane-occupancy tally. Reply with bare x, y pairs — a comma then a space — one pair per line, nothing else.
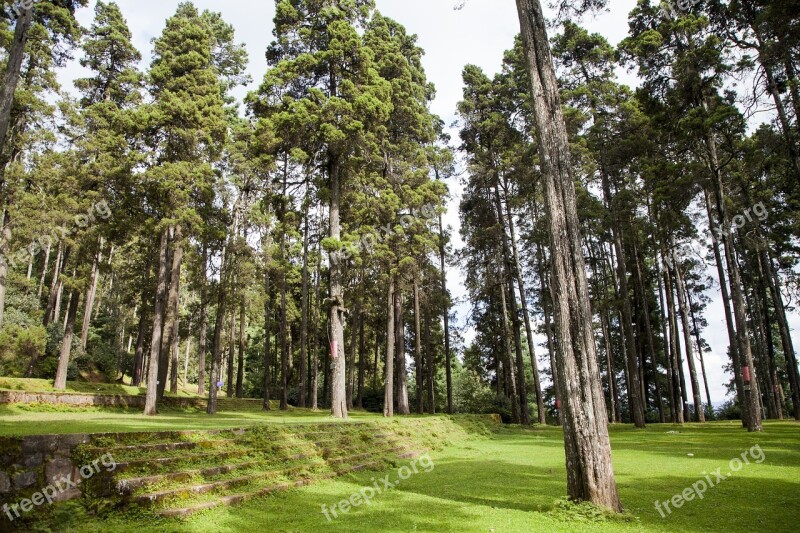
60, 467
33, 460
23, 480
5, 482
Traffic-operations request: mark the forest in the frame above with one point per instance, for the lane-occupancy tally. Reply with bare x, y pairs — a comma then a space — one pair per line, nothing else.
557, 252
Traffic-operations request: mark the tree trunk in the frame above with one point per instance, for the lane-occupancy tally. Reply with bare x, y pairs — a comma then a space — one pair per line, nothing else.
674, 343
635, 400
783, 327
13, 66
202, 340
647, 319
230, 384
733, 343
138, 358
186, 357
388, 397
590, 475
612, 379
172, 309
304, 313
430, 368
418, 346
682, 293
240, 366
446, 319
508, 278
90, 295
55, 283
362, 362
44, 271
5, 239
751, 391
337, 310
66, 344
537, 384
508, 364
151, 398
700, 350
351, 365
175, 356
315, 356
401, 393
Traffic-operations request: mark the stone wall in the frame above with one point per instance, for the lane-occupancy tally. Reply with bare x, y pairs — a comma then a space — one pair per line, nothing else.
90, 400
28, 464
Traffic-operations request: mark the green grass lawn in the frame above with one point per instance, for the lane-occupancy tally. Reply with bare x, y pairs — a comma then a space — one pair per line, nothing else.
514, 481
20, 420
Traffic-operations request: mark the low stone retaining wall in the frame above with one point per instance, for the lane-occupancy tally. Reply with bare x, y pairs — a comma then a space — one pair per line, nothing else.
98, 400
28, 464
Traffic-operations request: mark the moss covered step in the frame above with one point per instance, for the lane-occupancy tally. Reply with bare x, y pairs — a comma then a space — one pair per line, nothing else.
129, 485
255, 492
182, 492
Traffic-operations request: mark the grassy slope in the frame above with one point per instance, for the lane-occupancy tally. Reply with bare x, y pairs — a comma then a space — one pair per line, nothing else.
18, 420
513, 481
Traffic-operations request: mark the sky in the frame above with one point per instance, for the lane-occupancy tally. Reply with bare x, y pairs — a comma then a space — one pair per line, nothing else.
478, 33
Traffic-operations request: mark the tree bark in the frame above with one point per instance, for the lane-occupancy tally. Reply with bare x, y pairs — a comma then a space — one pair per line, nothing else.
682, 294
13, 67
590, 475
90, 295
362, 362
446, 319
418, 346
66, 344
783, 327
202, 341
388, 397
430, 368
151, 398
401, 392
172, 310
304, 312
231, 362
510, 274
240, 366
751, 392
337, 310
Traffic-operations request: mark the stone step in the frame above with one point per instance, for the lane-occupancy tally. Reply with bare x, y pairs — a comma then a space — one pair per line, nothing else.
182, 512
160, 447
155, 498
122, 466
224, 452
129, 485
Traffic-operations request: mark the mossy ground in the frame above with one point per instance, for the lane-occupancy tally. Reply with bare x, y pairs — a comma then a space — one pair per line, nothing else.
513, 480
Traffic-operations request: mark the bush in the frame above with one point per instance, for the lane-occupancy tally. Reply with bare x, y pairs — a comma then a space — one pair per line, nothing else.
473, 395
19, 346
730, 410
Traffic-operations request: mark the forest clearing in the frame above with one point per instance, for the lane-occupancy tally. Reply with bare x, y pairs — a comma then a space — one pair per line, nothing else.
399, 265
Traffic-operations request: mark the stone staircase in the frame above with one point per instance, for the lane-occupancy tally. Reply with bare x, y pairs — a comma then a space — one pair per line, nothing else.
176, 474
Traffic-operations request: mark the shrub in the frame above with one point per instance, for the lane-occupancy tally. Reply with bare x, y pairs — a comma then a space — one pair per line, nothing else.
19, 346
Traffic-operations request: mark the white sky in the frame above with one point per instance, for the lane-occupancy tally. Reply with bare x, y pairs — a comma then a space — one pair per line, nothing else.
478, 34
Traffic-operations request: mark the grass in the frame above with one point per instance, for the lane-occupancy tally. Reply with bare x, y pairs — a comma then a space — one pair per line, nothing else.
514, 481
20, 420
